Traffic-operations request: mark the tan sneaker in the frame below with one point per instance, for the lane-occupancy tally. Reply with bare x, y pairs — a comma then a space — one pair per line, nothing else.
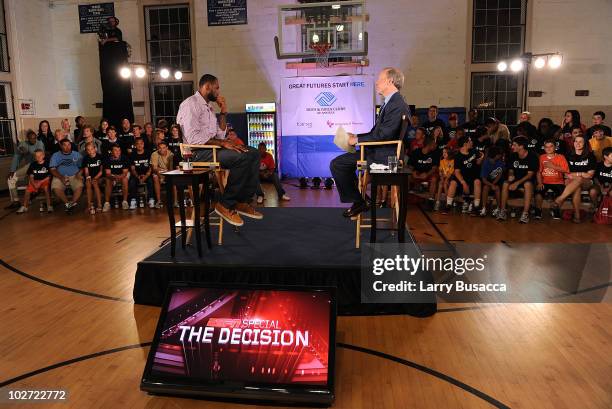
247, 210
230, 216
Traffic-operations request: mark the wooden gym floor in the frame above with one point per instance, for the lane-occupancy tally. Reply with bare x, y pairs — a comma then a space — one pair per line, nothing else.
68, 322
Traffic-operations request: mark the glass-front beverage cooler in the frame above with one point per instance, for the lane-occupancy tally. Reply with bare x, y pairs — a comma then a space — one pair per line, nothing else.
261, 125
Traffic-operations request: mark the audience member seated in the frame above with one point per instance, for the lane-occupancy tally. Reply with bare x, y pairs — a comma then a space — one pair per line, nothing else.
101, 132
126, 137
550, 177
419, 138
453, 125
472, 125
603, 178
465, 177
545, 128
160, 136
571, 118
233, 137
433, 121
599, 141
79, 123
446, 170
557, 136
161, 161
267, 173
116, 168
528, 129
174, 141
110, 141
568, 138
440, 139
88, 137
522, 168
45, 135
491, 177
164, 126
411, 131
149, 133
66, 170
424, 163
24, 155
65, 126
93, 171
580, 177
38, 181
495, 131
141, 173
598, 120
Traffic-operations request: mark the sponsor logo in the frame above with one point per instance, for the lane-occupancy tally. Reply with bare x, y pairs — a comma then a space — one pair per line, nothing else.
325, 99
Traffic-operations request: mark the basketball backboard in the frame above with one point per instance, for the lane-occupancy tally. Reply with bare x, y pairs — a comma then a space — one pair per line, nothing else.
340, 24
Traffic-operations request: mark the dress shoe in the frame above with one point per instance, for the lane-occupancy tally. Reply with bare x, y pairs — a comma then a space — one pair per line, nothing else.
247, 210
229, 215
356, 208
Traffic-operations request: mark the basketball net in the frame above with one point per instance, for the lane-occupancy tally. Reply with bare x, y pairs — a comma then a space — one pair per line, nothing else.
322, 52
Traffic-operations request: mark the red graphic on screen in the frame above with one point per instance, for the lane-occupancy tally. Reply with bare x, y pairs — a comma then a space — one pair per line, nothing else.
263, 336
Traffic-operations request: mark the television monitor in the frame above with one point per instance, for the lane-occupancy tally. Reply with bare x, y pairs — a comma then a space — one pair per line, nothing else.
245, 342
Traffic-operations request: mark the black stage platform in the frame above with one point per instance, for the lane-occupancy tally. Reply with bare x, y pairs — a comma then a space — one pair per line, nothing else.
291, 246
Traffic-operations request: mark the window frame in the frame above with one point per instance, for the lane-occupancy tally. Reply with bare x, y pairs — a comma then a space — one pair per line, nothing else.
147, 31
519, 91
11, 120
523, 29
4, 40
154, 117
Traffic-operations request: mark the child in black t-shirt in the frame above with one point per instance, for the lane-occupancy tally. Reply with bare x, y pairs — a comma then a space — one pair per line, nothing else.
424, 163
39, 179
491, 175
93, 172
523, 166
465, 177
602, 178
174, 143
116, 168
140, 170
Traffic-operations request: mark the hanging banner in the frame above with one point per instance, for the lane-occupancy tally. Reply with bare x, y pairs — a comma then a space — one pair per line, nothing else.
91, 16
319, 105
227, 12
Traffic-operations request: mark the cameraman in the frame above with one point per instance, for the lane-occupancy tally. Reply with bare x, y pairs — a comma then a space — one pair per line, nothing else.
109, 32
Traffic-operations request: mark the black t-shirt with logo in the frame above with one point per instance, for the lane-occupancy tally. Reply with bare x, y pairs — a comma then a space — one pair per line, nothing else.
174, 145
603, 174
116, 166
107, 147
431, 125
126, 141
467, 164
452, 133
520, 166
535, 144
141, 162
94, 165
581, 163
471, 128
424, 162
39, 171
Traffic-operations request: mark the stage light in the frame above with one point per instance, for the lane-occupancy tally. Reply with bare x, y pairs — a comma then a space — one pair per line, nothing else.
554, 62
164, 73
125, 72
502, 66
335, 6
340, 27
315, 38
178, 75
539, 63
360, 36
140, 72
516, 65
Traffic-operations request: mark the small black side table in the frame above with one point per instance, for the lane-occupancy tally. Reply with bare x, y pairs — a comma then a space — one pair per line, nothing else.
399, 179
181, 179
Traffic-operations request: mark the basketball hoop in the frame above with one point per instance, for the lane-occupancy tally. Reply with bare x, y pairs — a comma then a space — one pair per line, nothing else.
322, 52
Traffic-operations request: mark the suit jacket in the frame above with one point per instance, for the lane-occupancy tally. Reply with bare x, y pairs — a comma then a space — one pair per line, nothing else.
387, 128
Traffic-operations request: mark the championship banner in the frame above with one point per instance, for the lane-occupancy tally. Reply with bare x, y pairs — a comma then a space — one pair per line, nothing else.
319, 105
312, 108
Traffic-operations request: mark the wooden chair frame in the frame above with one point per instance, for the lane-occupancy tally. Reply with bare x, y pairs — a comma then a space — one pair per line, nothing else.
363, 180
220, 176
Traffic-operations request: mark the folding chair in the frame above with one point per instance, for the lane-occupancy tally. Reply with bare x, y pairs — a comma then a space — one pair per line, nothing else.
220, 177
363, 180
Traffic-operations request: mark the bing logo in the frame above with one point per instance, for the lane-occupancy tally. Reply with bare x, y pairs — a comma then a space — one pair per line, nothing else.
325, 99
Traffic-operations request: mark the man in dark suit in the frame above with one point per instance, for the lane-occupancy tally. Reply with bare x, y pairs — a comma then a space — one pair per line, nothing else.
387, 127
